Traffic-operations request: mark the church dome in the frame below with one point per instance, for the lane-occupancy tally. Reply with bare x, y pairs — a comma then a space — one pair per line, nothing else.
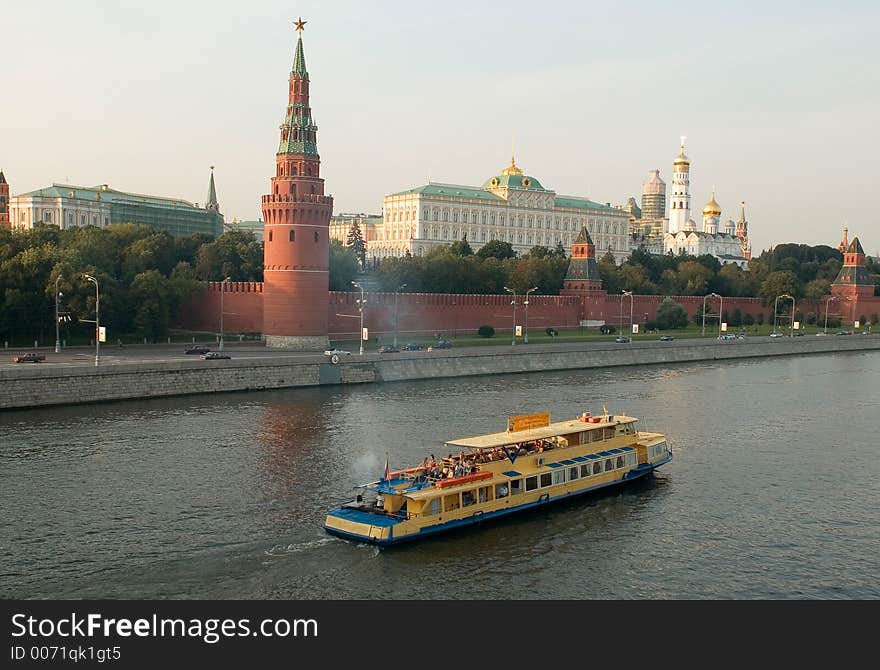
712, 207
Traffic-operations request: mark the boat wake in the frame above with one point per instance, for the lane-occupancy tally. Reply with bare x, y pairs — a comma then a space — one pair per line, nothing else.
285, 549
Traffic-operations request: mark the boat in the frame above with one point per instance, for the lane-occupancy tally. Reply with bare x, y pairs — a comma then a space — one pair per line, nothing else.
532, 463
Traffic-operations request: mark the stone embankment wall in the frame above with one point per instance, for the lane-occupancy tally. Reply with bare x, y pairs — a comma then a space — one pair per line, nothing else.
64, 385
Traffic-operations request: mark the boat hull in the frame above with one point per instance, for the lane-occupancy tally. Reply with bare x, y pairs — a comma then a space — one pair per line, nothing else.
376, 529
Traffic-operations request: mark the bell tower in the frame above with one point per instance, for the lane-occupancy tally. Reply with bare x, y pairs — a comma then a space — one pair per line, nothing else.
297, 224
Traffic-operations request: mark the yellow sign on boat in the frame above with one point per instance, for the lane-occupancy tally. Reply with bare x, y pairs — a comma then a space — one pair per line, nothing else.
527, 422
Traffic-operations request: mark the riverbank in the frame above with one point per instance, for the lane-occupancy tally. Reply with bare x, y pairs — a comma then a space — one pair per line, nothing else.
67, 384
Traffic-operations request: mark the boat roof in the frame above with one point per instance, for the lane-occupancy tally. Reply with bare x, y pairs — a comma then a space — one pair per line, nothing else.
494, 440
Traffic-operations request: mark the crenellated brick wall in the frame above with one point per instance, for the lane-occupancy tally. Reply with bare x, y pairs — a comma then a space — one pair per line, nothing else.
430, 313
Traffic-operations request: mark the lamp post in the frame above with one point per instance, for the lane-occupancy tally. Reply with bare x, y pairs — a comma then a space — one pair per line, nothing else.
57, 328
775, 303
827, 300
630, 294
526, 303
94, 281
361, 309
720, 307
513, 333
396, 293
222, 291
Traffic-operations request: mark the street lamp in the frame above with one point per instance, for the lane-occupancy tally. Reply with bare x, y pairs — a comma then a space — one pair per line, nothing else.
396, 293
361, 309
222, 291
720, 309
94, 281
630, 294
526, 303
58, 294
827, 300
775, 303
513, 333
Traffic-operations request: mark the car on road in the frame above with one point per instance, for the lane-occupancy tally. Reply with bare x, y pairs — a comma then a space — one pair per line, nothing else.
336, 354
844, 332
198, 349
666, 338
622, 339
442, 344
776, 334
727, 336
799, 334
821, 334
413, 346
388, 349
214, 356
29, 358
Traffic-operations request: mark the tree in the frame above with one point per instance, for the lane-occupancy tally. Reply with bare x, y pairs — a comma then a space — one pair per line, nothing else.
671, 314
560, 251
461, 247
150, 297
779, 283
817, 289
355, 240
343, 266
497, 249
235, 254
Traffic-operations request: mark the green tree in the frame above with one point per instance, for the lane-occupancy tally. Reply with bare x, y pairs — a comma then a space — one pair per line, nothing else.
461, 247
355, 240
779, 283
343, 266
817, 289
152, 304
235, 254
497, 249
671, 314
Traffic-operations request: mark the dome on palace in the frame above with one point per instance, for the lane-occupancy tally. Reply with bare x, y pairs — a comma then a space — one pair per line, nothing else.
712, 207
513, 177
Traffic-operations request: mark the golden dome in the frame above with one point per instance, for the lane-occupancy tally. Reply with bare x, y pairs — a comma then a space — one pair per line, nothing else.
712, 207
512, 168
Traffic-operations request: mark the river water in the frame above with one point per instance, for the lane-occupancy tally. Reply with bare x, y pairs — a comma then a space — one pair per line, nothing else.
773, 492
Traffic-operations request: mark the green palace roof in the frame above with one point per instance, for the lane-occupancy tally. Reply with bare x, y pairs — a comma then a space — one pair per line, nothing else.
519, 181
100, 193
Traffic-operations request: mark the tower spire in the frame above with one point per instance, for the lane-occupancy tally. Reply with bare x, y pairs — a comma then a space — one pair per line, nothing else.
211, 202
299, 58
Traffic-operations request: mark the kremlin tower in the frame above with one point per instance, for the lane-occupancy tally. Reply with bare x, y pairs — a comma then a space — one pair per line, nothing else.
680, 200
583, 272
297, 221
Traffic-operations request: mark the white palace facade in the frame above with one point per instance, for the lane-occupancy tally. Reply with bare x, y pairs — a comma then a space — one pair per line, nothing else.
511, 207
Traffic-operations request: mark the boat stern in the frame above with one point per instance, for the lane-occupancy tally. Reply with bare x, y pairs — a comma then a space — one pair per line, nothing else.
356, 524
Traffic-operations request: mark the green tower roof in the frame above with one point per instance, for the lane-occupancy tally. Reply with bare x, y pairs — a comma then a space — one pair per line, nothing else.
299, 59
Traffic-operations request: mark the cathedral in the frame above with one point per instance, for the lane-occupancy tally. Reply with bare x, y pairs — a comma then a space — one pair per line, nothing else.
728, 242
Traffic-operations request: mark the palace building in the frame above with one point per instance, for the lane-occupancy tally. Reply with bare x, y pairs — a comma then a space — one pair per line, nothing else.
69, 206
510, 207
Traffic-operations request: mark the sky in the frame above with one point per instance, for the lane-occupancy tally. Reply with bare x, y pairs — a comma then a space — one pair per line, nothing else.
778, 100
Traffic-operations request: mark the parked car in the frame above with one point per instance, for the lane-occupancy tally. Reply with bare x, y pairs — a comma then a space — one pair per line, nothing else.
198, 349
727, 336
776, 334
844, 332
621, 339
666, 338
29, 358
388, 349
214, 356
798, 334
337, 352
413, 346
443, 344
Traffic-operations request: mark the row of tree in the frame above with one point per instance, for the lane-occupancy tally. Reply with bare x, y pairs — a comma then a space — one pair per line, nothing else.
143, 276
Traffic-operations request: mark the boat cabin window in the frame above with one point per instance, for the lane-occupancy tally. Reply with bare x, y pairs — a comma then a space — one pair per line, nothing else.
450, 502
501, 491
585, 470
572, 474
484, 494
515, 487
559, 476
467, 498
620, 461
630, 458
546, 479
531, 483
609, 464
608, 433
586, 437
597, 468
435, 506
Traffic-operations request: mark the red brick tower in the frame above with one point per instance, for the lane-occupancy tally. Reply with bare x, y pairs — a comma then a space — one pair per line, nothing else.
4, 201
853, 281
297, 225
583, 272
